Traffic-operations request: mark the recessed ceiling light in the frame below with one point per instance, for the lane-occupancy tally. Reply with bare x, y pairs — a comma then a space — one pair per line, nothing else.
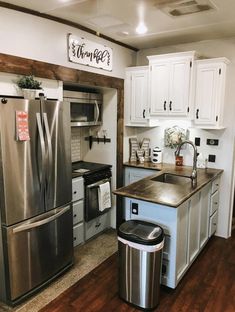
141, 28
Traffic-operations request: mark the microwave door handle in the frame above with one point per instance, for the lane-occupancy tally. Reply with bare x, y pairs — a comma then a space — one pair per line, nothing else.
97, 183
97, 111
36, 224
42, 144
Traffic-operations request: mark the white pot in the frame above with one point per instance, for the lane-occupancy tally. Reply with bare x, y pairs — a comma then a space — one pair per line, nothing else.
29, 94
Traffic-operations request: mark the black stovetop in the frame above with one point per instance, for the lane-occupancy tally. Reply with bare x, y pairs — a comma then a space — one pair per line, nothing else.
83, 168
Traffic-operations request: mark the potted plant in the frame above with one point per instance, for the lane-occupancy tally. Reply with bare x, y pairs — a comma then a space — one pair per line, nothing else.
29, 86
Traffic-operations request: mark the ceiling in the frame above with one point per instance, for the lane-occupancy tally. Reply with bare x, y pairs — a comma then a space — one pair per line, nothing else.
168, 21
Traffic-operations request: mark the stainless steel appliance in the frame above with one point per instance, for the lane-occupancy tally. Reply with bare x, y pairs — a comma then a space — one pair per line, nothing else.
35, 194
140, 247
94, 174
86, 108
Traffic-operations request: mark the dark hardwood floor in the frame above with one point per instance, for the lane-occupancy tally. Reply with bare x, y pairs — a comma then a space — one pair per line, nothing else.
209, 285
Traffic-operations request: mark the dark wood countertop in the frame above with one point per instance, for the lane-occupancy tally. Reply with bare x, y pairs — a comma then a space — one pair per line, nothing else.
162, 193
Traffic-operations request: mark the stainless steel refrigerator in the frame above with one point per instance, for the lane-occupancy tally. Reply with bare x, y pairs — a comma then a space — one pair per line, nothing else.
36, 238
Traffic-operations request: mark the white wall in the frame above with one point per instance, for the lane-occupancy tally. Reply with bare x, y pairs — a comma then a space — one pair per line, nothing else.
100, 152
225, 151
40, 39
44, 40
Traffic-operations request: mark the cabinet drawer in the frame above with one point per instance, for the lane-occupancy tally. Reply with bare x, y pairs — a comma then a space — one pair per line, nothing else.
215, 185
97, 225
77, 189
214, 202
78, 234
213, 224
166, 248
77, 212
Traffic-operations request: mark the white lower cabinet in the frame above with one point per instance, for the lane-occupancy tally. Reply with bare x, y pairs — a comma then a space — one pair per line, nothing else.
213, 223
78, 234
133, 174
193, 229
182, 240
204, 214
214, 206
78, 211
187, 229
97, 225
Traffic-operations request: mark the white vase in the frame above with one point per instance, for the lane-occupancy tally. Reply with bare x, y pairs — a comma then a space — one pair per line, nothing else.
29, 94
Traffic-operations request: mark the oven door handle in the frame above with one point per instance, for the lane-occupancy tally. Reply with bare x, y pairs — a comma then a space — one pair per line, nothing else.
97, 184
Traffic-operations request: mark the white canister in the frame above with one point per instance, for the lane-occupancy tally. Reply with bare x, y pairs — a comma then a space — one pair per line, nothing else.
156, 155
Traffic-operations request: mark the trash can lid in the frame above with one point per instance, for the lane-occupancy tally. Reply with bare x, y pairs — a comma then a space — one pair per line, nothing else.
141, 232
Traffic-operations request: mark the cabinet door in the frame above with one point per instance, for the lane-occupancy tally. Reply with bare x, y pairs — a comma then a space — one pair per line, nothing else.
139, 96
204, 214
214, 205
134, 174
206, 96
182, 239
136, 96
179, 87
159, 88
193, 234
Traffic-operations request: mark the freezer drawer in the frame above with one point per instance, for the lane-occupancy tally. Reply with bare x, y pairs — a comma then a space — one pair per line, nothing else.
37, 250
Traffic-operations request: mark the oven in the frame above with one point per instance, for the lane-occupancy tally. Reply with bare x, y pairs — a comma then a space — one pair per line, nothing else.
92, 183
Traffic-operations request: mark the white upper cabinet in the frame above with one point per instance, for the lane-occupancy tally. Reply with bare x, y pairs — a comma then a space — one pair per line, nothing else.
210, 79
136, 97
170, 84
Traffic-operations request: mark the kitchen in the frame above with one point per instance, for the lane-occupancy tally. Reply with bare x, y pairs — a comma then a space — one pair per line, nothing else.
52, 37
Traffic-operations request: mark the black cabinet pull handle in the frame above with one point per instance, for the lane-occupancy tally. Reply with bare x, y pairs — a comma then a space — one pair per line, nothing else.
97, 225
197, 112
170, 105
74, 238
164, 106
75, 192
144, 113
74, 216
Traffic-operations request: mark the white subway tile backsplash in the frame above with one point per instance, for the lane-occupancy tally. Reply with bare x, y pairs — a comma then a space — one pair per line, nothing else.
76, 143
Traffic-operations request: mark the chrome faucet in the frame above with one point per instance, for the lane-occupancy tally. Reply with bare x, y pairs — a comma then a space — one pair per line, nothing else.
194, 172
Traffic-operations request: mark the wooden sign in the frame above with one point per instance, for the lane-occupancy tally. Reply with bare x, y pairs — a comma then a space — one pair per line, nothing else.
86, 52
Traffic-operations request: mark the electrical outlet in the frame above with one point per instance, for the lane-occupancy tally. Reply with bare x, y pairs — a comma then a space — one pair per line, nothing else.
134, 208
211, 158
214, 142
197, 141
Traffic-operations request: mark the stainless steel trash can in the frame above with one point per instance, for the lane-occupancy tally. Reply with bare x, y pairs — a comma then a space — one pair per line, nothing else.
140, 246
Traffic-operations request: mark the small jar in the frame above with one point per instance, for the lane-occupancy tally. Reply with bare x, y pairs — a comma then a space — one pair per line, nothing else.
179, 160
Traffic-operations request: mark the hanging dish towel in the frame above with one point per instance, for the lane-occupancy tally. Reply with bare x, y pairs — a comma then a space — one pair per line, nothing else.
104, 196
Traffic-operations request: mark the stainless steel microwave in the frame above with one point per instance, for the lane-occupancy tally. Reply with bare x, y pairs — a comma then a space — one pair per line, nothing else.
85, 108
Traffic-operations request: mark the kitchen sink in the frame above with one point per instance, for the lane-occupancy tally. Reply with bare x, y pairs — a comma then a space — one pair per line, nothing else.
172, 178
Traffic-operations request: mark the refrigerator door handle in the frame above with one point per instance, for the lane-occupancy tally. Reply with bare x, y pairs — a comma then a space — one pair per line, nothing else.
49, 144
30, 226
43, 149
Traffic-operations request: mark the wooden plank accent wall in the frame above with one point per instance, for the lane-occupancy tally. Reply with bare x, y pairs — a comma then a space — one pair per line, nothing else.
23, 66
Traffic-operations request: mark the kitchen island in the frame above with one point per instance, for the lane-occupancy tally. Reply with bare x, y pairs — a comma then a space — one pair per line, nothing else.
170, 194
188, 214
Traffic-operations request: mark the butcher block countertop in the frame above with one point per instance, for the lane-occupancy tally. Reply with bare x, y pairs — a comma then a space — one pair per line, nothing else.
163, 193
